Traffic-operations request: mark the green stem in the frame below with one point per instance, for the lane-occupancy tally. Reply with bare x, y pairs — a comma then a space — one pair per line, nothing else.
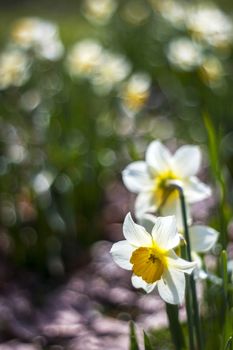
223, 264
175, 327
192, 281
188, 304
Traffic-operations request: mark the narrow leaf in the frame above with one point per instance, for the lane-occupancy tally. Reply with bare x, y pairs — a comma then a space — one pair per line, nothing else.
175, 327
229, 344
224, 273
133, 337
147, 343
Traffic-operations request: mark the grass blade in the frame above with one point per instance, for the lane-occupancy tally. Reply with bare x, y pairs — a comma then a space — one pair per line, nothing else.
175, 327
133, 337
229, 344
147, 343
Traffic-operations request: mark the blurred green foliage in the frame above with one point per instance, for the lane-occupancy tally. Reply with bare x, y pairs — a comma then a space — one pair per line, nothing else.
58, 130
63, 141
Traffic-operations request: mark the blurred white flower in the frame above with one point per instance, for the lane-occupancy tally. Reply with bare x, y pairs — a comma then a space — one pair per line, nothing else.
111, 70
135, 92
209, 23
14, 68
39, 35
99, 11
173, 11
16, 153
202, 239
83, 58
152, 259
135, 12
184, 54
152, 179
212, 71
43, 181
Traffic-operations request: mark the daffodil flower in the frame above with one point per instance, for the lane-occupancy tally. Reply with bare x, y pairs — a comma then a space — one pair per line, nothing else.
202, 239
152, 179
152, 259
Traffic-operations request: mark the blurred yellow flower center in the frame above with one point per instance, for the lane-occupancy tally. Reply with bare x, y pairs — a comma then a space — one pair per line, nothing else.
149, 263
162, 190
134, 99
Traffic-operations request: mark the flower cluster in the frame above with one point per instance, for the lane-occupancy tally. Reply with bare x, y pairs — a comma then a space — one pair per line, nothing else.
108, 71
204, 32
14, 68
31, 38
150, 249
40, 36
206, 22
99, 11
104, 69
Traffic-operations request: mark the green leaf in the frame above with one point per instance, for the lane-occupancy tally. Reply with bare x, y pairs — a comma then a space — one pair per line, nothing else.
217, 167
223, 259
147, 343
133, 337
175, 327
213, 144
229, 344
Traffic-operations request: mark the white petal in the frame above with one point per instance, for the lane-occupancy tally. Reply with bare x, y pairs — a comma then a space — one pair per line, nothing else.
171, 287
121, 253
172, 206
165, 233
148, 221
202, 238
187, 160
175, 262
195, 190
158, 157
145, 202
136, 234
136, 178
197, 259
138, 282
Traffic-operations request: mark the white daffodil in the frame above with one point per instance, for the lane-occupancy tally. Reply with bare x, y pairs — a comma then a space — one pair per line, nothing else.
184, 54
135, 92
152, 180
83, 58
172, 11
39, 35
14, 68
99, 11
202, 239
209, 23
152, 259
212, 71
110, 72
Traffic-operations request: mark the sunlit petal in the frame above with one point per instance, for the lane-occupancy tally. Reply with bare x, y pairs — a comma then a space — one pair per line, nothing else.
195, 190
175, 262
136, 234
145, 202
121, 253
158, 157
187, 160
136, 177
171, 287
165, 232
138, 282
202, 238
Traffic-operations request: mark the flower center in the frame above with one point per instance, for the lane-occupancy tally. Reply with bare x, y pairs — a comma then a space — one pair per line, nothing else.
135, 100
162, 190
148, 263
